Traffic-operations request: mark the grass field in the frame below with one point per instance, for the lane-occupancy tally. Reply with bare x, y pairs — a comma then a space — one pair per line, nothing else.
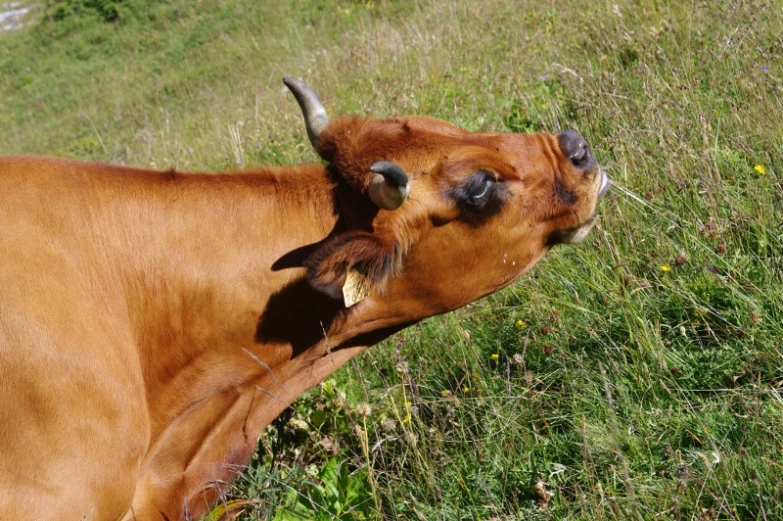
638, 376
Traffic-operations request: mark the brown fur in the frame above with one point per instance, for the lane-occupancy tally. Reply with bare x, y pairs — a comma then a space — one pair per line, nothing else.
152, 324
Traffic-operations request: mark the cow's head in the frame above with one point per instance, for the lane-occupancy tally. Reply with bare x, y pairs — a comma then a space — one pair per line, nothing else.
447, 215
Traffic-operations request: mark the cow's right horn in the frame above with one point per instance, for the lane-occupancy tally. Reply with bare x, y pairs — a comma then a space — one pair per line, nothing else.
313, 110
389, 186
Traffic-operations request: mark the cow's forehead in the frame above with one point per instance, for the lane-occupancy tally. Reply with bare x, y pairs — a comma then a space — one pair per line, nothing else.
434, 140
501, 142
428, 124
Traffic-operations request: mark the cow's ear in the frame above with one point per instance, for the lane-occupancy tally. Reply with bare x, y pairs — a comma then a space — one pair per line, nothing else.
353, 265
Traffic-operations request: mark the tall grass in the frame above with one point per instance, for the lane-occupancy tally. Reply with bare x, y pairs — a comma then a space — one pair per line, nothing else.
636, 376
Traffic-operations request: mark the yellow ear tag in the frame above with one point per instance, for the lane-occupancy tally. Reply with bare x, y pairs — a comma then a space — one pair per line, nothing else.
355, 289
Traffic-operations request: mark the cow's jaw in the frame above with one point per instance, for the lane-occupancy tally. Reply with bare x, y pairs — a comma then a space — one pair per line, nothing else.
578, 234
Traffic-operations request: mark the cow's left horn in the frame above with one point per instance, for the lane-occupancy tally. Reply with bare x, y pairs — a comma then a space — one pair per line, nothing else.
313, 110
389, 186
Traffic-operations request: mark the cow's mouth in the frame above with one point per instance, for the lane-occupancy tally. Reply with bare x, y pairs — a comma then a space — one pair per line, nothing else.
578, 234
574, 235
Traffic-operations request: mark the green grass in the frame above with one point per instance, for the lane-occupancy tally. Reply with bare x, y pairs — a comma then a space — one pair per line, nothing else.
644, 379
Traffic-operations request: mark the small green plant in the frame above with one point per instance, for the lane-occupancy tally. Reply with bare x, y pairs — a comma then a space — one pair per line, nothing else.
106, 10
336, 493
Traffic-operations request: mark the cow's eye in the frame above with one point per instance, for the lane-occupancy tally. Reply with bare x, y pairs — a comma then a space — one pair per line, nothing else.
479, 189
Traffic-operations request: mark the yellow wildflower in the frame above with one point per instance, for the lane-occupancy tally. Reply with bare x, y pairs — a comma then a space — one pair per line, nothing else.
665, 268
760, 169
520, 324
465, 389
494, 356
407, 418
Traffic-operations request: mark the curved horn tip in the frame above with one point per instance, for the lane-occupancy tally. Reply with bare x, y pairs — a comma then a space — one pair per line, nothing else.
312, 109
300, 89
292, 82
394, 174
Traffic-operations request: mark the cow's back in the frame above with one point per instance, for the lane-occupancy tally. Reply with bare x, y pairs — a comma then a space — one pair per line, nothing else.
68, 371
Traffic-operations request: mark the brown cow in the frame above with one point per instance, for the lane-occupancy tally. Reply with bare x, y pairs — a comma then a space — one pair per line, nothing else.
153, 323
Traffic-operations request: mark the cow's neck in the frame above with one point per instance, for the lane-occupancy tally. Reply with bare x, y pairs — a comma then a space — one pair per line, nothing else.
216, 280
228, 329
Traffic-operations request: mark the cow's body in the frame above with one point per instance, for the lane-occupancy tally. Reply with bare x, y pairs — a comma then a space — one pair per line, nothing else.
152, 323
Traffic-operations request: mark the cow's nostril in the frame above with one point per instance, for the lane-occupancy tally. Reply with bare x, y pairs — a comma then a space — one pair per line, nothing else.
579, 154
576, 149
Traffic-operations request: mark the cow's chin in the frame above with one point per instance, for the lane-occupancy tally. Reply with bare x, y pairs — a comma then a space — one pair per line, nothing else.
578, 234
